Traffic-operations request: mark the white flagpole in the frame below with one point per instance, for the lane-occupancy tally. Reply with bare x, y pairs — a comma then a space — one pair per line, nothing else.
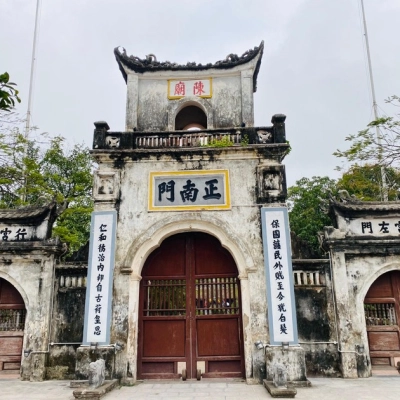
375, 106
28, 113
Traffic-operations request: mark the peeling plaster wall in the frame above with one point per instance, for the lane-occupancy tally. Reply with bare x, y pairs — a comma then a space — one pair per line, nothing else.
32, 274
357, 262
148, 106
361, 272
67, 323
316, 320
239, 230
153, 105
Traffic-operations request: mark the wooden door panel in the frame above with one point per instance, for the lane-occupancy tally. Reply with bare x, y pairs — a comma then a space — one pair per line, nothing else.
164, 338
218, 337
381, 307
227, 366
158, 368
380, 360
190, 310
382, 287
12, 323
9, 295
211, 258
10, 345
383, 341
168, 259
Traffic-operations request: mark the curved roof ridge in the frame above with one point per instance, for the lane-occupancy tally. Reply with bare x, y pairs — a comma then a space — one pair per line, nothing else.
31, 211
150, 63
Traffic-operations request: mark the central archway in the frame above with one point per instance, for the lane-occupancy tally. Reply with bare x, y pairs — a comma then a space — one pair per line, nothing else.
190, 311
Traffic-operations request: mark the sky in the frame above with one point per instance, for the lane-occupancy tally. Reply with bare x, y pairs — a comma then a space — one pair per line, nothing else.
314, 69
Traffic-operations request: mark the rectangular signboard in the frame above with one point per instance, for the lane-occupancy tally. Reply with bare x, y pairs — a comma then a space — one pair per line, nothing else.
189, 190
189, 88
279, 275
100, 278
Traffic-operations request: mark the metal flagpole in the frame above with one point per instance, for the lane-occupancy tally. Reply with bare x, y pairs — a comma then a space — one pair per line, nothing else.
28, 113
375, 107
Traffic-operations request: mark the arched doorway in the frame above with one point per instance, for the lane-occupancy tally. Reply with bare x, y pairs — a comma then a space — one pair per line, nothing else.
382, 315
12, 323
190, 311
190, 117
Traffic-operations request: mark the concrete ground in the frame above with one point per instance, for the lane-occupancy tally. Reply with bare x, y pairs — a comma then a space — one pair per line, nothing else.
385, 387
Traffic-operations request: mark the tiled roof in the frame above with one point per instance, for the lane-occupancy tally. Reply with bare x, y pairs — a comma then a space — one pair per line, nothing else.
150, 63
367, 205
28, 212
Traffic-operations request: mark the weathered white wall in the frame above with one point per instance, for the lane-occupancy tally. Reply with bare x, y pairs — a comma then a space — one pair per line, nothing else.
148, 106
32, 274
139, 232
355, 267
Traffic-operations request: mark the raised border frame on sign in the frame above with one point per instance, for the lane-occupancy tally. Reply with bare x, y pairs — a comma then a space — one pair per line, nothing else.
106, 324
199, 207
272, 301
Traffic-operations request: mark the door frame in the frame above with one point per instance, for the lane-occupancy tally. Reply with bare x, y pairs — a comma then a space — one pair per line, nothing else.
395, 288
16, 336
152, 238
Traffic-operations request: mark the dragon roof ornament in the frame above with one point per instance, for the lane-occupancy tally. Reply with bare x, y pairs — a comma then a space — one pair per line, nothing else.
150, 63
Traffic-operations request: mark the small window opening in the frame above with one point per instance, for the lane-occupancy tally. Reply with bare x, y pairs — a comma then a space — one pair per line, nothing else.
191, 118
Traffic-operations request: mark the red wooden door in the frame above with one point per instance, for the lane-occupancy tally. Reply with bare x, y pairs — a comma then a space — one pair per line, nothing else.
382, 314
12, 321
190, 313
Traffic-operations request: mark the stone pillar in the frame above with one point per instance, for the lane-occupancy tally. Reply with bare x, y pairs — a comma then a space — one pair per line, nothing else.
132, 97
248, 345
278, 121
131, 350
345, 309
99, 136
247, 98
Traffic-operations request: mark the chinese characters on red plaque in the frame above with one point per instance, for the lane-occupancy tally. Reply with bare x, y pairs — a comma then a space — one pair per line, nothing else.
189, 88
279, 275
100, 278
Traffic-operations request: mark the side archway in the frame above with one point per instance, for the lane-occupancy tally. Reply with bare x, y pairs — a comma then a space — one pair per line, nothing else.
381, 308
12, 325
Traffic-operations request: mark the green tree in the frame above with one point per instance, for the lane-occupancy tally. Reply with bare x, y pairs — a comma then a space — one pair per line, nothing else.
306, 214
8, 93
365, 182
46, 171
376, 146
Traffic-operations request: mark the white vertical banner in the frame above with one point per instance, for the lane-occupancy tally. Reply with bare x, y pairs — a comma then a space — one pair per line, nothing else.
279, 275
100, 278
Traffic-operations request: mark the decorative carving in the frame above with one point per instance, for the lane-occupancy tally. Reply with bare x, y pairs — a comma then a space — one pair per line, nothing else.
150, 63
279, 376
106, 186
271, 183
96, 373
264, 137
113, 141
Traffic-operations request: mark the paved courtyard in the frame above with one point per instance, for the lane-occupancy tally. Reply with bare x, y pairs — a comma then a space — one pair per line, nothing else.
376, 387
